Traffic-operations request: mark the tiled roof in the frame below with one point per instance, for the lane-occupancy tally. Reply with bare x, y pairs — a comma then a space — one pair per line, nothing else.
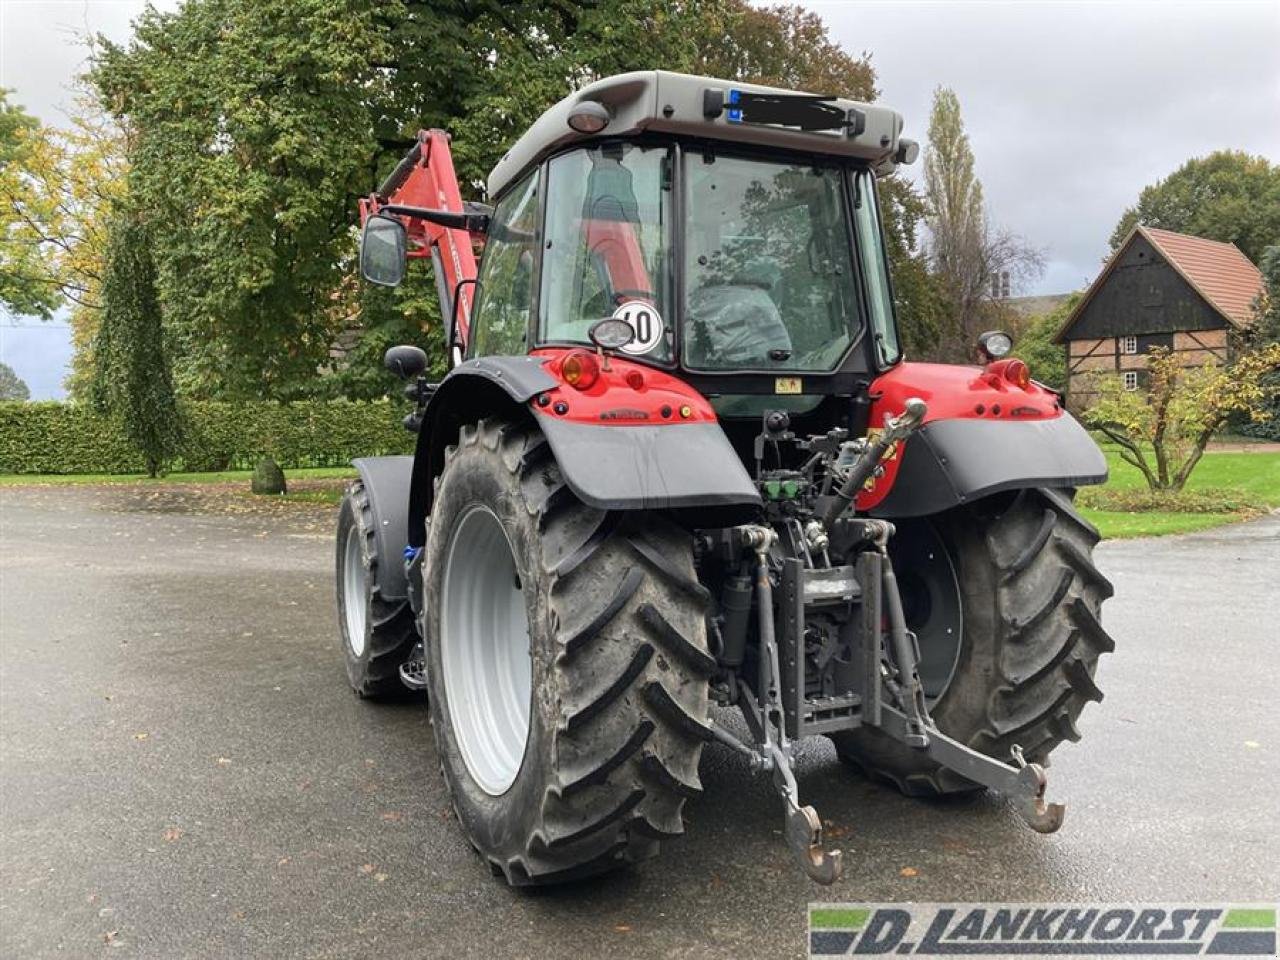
1219, 271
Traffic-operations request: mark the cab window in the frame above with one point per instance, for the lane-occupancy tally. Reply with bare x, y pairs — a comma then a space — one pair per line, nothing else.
769, 278
608, 220
504, 296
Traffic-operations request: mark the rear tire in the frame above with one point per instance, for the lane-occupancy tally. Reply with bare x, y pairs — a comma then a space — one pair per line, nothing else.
1031, 639
618, 660
377, 635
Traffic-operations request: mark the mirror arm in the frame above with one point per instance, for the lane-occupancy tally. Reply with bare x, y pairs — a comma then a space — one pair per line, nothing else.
474, 221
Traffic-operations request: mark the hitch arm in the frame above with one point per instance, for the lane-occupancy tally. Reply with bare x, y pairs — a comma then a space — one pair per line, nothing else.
1024, 784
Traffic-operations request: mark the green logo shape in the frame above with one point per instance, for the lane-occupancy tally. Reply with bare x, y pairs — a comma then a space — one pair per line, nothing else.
1249, 919
835, 918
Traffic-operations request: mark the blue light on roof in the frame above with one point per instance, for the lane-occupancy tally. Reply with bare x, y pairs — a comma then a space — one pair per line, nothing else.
733, 115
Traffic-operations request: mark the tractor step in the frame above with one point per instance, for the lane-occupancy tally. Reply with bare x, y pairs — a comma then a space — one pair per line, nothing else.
413, 672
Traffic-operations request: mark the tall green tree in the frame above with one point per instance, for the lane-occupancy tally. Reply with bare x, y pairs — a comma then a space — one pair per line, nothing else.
251, 130
255, 124
24, 255
132, 373
1228, 196
966, 252
12, 386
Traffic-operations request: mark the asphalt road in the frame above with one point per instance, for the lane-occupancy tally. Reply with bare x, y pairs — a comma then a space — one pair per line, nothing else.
184, 772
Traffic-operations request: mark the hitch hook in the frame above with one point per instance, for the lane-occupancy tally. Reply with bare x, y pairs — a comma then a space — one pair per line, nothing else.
1040, 816
804, 836
804, 828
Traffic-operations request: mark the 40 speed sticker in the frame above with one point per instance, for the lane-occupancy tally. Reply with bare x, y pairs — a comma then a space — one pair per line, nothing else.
644, 319
1042, 929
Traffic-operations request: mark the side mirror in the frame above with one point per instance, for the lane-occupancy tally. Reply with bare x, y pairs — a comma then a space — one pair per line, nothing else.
383, 246
404, 361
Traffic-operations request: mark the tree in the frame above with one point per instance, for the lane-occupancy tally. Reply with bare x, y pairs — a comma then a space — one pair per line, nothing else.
781, 46
255, 124
789, 47
1034, 344
12, 386
965, 250
24, 288
1265, 330
1228, 196
132, 374
1180, 410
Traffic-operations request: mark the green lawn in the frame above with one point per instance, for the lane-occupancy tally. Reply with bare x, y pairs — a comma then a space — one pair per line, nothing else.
1254, 476
225, 476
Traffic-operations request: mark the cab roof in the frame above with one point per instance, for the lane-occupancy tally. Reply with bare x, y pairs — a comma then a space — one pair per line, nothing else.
680, 104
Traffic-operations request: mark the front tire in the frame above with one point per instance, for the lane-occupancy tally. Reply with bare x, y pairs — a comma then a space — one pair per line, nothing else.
570, 747
1029, 596
377, 634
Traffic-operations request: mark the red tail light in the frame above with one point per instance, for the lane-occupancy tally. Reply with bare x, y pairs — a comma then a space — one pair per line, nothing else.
580, 369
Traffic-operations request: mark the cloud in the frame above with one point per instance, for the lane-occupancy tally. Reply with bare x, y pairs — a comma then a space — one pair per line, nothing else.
1072, 108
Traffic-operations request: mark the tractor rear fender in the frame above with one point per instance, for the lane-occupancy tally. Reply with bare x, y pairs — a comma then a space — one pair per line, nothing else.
652, 443
983, 434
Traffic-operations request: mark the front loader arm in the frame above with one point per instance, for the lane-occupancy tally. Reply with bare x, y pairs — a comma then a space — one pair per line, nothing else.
425, 179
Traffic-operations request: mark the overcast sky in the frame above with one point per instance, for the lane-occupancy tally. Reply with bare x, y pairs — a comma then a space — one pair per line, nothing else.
1071, 107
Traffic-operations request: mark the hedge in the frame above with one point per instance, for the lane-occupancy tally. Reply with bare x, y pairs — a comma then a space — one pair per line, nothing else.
52, 437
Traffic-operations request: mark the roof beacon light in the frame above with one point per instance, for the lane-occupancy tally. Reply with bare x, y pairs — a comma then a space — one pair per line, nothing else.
589, 116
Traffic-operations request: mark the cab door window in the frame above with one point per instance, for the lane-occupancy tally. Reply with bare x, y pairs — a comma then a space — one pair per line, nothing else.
608, 220
504, 299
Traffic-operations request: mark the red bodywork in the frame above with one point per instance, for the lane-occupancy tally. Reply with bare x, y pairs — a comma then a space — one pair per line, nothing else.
634, 394
432, 183
954, 392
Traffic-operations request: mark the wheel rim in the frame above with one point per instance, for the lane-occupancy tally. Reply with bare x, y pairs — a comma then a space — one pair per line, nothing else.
484, 650
931, 602
355, 604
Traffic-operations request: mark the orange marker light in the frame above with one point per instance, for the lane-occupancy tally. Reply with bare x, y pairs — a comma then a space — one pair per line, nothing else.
1016, 371
580, 369
686, 411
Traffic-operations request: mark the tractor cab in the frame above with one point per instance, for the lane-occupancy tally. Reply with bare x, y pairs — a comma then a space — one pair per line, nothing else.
734, 228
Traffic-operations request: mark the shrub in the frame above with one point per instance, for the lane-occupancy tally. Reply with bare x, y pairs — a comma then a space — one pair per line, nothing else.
53, 437
1144, 500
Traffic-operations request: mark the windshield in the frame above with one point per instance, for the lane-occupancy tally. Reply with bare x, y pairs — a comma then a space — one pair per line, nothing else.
606, 242
769, 280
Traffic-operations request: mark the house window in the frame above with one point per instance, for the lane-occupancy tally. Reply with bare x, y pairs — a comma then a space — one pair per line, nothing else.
1128, 344
1131, 379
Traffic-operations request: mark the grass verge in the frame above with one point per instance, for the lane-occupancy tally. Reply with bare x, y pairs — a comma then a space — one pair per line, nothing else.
1224, 488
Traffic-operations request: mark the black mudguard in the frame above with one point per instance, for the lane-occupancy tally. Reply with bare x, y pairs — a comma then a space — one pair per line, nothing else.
666, 467
952, 462
387, 483
609, 467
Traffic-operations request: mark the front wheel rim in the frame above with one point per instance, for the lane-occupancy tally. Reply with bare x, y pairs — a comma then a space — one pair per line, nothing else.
484, 650
354, 601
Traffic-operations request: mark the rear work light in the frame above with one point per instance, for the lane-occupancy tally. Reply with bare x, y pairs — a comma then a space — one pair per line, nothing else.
580, 369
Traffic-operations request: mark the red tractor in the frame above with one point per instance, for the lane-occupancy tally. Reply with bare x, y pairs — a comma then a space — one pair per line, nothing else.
679, 462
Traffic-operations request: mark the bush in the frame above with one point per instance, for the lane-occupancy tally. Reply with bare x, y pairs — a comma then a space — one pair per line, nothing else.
53, 437
1144, 500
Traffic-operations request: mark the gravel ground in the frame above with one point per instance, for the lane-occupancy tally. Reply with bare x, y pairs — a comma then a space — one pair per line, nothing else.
184, 773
